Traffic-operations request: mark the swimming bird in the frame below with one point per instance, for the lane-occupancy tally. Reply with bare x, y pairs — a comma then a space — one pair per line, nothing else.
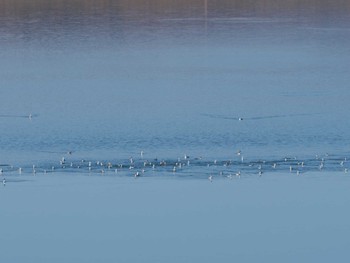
238, 174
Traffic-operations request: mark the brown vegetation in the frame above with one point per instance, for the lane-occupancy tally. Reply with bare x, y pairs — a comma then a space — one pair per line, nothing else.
154, 7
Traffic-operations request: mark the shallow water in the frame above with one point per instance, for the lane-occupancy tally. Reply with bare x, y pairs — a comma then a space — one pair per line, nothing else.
103, 81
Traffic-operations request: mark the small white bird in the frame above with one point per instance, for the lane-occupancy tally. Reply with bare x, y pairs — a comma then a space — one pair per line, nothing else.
210, 178
4, 182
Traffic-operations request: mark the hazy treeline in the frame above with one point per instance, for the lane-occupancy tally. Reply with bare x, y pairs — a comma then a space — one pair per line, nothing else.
261, 7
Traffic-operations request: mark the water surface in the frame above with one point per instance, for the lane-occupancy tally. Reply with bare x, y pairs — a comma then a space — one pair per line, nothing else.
105, 80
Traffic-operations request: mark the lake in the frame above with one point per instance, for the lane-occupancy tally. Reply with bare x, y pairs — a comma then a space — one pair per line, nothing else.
114, 114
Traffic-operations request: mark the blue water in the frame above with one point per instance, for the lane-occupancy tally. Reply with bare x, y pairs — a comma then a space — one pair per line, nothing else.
104, 82
173, 85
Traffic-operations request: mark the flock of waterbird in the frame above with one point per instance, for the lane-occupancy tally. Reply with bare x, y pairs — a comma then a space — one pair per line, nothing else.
184, 166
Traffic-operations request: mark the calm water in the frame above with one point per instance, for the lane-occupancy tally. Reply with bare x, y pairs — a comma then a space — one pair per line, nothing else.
105, 80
